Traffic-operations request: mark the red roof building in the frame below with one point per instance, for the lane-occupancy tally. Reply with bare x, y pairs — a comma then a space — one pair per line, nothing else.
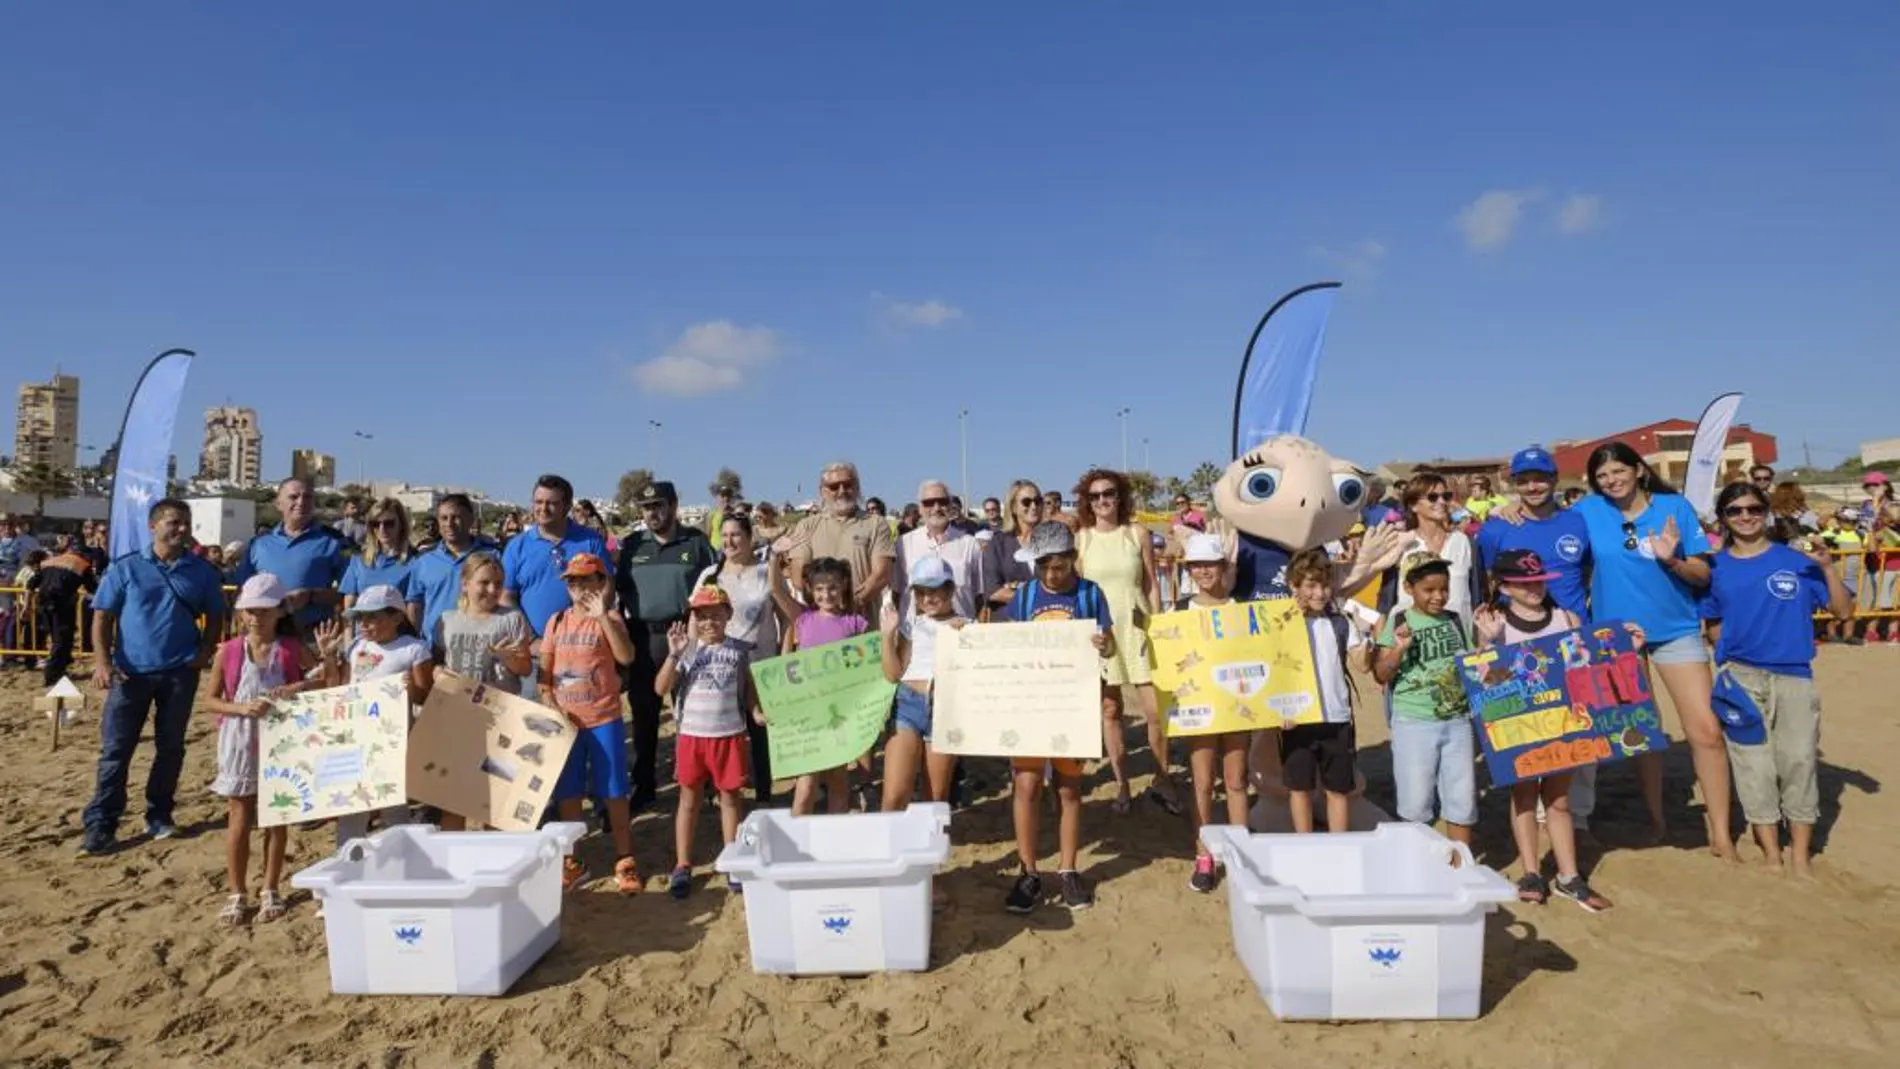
1665, 445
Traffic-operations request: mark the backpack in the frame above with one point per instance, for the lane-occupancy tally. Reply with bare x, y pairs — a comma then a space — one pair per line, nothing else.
1088, 600
231, 664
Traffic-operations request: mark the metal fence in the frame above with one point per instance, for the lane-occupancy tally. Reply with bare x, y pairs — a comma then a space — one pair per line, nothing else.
1876, 597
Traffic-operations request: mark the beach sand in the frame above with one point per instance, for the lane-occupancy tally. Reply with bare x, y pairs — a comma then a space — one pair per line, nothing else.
118, 960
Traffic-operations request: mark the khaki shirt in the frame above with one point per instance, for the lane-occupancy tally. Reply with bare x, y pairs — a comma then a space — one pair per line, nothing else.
859, 540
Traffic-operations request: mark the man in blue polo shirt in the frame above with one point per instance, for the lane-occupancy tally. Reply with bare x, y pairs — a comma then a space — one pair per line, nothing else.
157, 598
435, 580
533, 559
309, 558
1555, 534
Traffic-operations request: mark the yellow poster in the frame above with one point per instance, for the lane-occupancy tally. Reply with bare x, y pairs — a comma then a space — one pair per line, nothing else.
1235, 667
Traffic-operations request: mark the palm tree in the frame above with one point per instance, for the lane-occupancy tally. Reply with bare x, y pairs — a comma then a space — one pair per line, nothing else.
726, 481
1143, 485
1200, 482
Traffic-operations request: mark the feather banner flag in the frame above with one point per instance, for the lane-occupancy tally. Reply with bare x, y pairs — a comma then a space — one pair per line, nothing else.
145, 449
1281, 366
1705, 455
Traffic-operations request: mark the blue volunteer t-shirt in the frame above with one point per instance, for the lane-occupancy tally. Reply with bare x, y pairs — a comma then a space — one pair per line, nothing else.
1628, 584
533, 563
435, 579
158, 605
387, 571
1046, 604
1563, 543
313, 560
1260, 570
1766, 604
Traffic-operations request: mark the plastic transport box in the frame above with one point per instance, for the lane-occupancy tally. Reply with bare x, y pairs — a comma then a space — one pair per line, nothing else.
413, 910
1379, 925
839, 895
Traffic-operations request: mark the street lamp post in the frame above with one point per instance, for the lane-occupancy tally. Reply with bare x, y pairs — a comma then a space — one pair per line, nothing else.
1124, 418
1147, 465
362, 448
654, 427
963, 448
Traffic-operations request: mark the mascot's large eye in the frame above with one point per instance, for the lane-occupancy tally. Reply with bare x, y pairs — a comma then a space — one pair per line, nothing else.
1258, 484
1350, 488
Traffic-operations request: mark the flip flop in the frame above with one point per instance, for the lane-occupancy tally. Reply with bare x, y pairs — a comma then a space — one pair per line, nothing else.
1162, 801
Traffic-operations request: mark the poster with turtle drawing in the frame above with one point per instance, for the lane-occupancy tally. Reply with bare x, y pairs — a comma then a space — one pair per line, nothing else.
1238, 667
824, 706
1019, 690
1561, 702
330, 753
486, 755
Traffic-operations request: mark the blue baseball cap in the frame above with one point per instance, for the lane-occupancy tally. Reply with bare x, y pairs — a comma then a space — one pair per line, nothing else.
931, 572
1533, 459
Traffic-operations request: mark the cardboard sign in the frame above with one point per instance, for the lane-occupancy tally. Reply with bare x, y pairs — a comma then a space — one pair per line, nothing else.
1237, 667
330, 753
487, 755
823, 706
1019, 690
1561, 702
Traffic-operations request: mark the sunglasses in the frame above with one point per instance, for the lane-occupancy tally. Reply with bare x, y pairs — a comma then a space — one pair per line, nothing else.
1104, 495
1629, 536
1436, 496
1744, 510
839, 487
387, 521
935, 502
1029, 503
1763, 478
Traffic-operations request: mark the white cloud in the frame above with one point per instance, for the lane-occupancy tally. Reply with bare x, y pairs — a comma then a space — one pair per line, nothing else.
931, 313
708, 358
1489, 221
1360, 259
1580, 213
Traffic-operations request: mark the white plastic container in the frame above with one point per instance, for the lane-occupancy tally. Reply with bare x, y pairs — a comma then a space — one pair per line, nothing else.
1378, 925
413, 910
839, 895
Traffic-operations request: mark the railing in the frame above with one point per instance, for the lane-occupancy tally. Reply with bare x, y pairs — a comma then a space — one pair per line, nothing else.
21, 635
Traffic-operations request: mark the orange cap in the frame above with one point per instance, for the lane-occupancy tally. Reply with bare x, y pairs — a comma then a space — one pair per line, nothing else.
584, 564
709, 597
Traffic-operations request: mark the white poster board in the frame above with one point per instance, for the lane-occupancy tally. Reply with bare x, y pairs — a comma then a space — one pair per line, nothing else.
1019, 690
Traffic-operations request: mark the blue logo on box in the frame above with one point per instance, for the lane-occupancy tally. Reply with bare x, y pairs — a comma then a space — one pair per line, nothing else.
837, 925
409, 936
1386, 956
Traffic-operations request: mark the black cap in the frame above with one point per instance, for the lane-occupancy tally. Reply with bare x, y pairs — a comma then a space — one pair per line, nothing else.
659, 490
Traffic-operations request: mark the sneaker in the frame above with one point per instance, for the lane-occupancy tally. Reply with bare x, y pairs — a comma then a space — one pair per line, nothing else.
1024, 897
681, 883
1203, 878
733, 885
96, 844
1577, 889
161, 829
1076, 894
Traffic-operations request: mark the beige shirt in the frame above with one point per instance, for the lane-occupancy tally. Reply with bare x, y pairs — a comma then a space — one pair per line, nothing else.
859, 540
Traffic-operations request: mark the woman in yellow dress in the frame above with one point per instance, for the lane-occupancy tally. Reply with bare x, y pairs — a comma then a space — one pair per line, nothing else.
1117, 554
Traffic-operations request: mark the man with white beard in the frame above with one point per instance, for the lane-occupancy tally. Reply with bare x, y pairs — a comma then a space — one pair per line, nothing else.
939, 536
841, 529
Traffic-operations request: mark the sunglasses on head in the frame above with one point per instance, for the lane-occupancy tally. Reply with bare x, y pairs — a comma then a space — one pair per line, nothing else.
1744, 510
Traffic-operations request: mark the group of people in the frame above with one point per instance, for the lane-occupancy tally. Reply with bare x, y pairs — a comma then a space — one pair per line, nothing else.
612, 632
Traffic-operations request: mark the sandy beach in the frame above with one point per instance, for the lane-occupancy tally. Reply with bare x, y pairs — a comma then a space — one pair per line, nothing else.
118, 961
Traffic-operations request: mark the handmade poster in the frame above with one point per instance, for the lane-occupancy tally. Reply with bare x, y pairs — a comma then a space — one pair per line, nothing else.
824, 706
1561, 702
485, 754
1237, 667
330, 753
1019, 690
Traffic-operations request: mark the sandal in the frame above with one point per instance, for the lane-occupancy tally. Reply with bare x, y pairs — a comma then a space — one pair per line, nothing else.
1122, 803
627, 877
232, 915
1533, 889
573, 874
1162, 801
270, 906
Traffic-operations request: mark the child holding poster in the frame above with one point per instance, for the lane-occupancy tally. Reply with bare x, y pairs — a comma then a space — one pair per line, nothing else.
583, 649
385, 645
1433, 749
1206, 562
266, 660
1058, 593
910, 661
1519, 577
482, 639
829, 618
710, 679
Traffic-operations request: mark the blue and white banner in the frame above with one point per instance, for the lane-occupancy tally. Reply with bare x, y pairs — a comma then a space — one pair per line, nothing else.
145, 449
1281, 366
1705, 454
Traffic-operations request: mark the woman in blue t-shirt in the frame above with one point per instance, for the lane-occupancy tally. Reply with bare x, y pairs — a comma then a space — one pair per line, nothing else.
1650, 562
1764, 595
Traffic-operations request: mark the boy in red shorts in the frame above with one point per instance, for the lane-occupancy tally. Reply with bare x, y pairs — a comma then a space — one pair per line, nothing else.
1059, 593
710, 678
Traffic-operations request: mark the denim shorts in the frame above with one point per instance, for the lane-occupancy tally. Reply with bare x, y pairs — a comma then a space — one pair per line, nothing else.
1433, 762
1689, 649
913, 712
597, 765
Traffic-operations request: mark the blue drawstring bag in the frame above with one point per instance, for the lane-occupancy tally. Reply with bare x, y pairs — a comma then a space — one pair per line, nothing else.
1741, 718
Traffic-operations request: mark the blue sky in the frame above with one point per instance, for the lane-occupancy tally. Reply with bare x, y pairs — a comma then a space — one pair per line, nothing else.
503, 239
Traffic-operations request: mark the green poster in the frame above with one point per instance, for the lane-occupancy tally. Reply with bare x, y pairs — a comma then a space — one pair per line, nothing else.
824, 706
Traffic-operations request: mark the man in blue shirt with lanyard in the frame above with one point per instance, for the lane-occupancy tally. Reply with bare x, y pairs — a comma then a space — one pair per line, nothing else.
533, 559
1557, 535
157, 598
435, 580
308, 558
